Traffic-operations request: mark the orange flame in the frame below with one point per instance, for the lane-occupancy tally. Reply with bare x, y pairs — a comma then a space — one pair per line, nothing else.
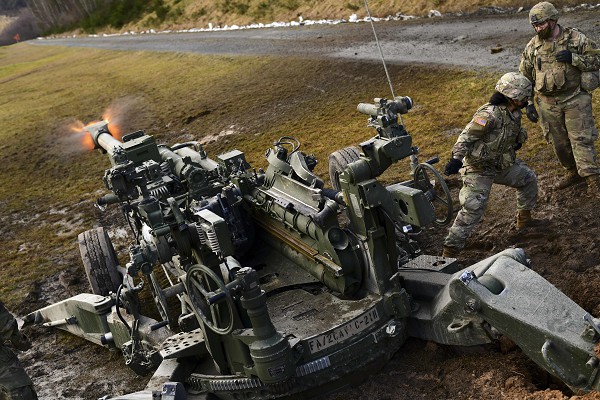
113, 126
110, 117
81, 130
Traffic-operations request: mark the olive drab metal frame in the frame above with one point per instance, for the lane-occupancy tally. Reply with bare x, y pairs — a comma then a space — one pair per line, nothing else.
288, 289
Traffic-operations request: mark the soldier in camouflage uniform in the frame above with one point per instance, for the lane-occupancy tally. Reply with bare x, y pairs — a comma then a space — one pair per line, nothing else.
485, 153
559, 61
15, 384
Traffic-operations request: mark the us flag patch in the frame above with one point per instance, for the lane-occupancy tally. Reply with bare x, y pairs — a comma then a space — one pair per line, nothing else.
480, 121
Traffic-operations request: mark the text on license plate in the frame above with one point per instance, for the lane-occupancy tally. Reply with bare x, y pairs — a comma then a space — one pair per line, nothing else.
344, 332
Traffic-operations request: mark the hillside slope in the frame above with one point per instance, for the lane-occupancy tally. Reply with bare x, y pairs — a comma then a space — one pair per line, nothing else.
242, 12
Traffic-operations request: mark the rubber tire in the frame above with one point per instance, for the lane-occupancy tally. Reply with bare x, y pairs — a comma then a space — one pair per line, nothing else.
338, 161
99, 261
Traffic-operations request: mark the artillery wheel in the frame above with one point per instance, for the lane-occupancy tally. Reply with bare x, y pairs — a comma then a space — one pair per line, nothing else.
99, 261
427, 179
338, 161
206, 301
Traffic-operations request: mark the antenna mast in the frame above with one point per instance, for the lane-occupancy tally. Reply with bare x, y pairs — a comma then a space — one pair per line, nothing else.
387, 74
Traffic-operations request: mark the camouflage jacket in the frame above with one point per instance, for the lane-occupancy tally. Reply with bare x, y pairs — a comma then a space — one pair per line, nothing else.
8, 325
488, 142
557, 80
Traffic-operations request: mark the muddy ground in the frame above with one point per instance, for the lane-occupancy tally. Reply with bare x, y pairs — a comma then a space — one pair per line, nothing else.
566, 252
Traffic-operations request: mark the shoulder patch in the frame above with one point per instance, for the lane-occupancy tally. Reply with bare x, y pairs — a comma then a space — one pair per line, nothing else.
480, 121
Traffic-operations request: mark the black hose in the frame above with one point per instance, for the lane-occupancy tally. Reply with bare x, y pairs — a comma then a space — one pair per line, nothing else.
335, 195
119, 312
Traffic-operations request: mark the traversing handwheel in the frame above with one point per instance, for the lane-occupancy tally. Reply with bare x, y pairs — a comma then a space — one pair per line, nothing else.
429, 181
210, 299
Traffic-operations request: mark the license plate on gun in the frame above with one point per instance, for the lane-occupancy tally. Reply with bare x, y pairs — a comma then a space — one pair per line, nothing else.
344, 332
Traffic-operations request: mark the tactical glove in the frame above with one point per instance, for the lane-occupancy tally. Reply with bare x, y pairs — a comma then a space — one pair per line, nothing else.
532, 113
453, 166
564, 56
518, 146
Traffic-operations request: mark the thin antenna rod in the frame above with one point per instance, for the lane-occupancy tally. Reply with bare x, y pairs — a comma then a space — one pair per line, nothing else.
379, 47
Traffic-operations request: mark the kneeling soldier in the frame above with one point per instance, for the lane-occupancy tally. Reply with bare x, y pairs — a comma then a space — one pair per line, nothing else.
485, 152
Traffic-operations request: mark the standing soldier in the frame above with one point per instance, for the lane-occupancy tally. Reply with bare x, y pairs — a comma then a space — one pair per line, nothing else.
563, 65
14, 381
486, 152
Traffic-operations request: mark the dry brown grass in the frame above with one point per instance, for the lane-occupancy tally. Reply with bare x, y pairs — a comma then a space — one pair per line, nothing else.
199, 13
48, 183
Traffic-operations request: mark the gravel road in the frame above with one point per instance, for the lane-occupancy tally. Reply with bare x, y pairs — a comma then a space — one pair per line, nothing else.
464, 42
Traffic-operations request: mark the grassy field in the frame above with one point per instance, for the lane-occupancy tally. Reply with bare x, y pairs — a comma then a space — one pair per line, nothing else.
49, 181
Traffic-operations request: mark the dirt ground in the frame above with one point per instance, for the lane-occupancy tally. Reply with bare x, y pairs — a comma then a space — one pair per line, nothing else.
566, 252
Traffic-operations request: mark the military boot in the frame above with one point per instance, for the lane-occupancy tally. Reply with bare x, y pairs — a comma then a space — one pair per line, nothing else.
450, 252
593, 182
571, 178
525, 220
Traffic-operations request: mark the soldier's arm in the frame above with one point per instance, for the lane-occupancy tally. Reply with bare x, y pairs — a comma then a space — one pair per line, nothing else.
8, 324
481, 123
522, 137
587, 57
9, 330
527, 68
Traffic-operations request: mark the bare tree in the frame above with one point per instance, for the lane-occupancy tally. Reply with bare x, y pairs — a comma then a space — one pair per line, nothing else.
24, 27
54, 13
12, 5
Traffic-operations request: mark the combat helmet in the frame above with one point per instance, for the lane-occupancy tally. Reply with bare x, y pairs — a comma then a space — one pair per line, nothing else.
542, 12
514, 86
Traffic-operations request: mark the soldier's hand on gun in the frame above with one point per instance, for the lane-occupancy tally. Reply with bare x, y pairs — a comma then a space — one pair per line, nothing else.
531, 113
564, 56
453, 166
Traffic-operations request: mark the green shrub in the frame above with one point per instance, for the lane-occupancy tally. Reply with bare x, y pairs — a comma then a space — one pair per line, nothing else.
232, 6
119, 13
352, 6
200, 13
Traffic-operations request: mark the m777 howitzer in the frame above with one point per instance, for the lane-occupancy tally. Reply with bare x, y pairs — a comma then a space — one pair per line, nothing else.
278, 298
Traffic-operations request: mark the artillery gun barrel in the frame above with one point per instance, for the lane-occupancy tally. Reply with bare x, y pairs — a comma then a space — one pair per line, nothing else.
108, 142
102, 137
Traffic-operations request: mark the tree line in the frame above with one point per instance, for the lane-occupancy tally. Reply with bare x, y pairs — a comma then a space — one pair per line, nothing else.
11, 5
33, 18
53, 14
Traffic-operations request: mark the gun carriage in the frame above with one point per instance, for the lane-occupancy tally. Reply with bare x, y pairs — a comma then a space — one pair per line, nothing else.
288, 289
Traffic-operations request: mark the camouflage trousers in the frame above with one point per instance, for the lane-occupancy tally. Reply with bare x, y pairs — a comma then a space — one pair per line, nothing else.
571, 129
15, 384
475, 193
